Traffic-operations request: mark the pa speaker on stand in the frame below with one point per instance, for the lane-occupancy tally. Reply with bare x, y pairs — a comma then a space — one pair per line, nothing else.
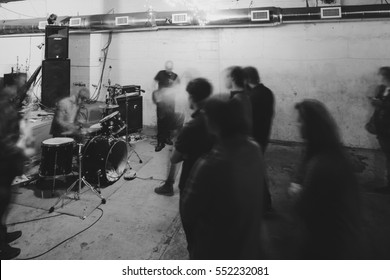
55, 81
56, 42
56, 66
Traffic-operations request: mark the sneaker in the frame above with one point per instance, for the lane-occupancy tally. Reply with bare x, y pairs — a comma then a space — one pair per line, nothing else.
7, 252
159, 147
164, 190
168, 142
130, 175
12, 236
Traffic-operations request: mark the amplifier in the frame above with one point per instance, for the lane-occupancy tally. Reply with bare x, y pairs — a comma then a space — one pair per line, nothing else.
121, 91
130, 89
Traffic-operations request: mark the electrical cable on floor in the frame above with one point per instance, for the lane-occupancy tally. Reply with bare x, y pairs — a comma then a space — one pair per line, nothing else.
33, 220
149, 178
62, 242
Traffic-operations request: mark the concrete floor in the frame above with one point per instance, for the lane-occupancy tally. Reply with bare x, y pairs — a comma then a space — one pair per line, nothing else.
137, 224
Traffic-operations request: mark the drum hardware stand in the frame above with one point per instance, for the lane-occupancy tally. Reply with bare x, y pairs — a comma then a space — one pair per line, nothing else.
127, 137
80, 180
54, 176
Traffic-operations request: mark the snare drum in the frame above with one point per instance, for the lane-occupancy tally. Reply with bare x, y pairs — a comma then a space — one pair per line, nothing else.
95, 130
57, 156
112, 124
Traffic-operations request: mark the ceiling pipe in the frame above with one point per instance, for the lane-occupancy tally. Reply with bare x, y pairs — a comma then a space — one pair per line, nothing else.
152, 20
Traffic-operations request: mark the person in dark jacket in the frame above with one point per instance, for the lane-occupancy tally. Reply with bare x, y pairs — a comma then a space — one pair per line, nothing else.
221, 203
164, 99
235, 82
11, 165
329, 201
263, 103
381, 102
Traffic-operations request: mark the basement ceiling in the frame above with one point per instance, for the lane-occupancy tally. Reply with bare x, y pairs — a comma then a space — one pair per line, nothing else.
6, 1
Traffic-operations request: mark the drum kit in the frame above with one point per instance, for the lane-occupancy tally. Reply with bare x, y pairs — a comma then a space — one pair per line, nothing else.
102, 155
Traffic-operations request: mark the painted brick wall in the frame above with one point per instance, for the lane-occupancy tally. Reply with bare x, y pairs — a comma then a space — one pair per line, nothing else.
333, 62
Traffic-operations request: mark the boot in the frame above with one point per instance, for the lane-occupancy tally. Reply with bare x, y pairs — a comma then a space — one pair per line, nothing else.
12, 236
165, 189
159, 147
7, 252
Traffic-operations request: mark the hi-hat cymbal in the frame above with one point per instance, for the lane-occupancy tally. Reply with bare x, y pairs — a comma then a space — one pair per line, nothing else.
108, 106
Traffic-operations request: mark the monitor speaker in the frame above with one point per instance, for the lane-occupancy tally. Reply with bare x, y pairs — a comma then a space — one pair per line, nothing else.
134, 112
56, 42
55, 81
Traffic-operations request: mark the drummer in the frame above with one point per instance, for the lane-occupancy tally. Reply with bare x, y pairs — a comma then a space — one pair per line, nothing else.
69, 118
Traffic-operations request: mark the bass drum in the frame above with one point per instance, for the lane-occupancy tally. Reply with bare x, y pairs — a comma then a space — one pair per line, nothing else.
104, 160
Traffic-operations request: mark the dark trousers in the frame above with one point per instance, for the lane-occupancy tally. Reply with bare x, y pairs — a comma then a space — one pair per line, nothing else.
384, 142
5, 200
165, 120
267, 195
187, 227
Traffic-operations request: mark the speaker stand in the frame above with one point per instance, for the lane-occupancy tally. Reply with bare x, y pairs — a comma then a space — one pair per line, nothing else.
129, 146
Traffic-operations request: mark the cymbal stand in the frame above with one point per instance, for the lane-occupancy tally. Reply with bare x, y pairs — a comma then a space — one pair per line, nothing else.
81, 180
133, 151
110, 95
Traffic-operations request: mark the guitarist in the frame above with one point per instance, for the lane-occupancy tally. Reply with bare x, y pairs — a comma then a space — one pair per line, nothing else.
164, 99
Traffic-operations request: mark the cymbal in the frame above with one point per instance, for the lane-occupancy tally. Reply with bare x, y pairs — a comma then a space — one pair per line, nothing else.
108, 106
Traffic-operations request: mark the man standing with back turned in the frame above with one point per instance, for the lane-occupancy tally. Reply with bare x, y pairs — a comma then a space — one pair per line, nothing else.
164, 99
263, 103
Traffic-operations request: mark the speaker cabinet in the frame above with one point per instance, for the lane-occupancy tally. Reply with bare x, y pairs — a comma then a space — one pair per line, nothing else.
134, 112
12, 79
56, 42
55, 81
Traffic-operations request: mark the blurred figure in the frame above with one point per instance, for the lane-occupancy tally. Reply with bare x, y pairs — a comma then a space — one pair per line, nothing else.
68, 119
193, 140
220, 205
328, 203
263, 103
381, 102
164, 98
235, 82
11, 165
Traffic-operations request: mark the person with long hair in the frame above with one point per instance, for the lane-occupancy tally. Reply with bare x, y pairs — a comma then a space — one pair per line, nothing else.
329, 201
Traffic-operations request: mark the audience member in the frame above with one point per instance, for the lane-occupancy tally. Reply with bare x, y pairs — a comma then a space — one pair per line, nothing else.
220, 204
193, 140
328, 203
235, 82
381, 102
262, 100
263, 104
11, 165
164, 98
